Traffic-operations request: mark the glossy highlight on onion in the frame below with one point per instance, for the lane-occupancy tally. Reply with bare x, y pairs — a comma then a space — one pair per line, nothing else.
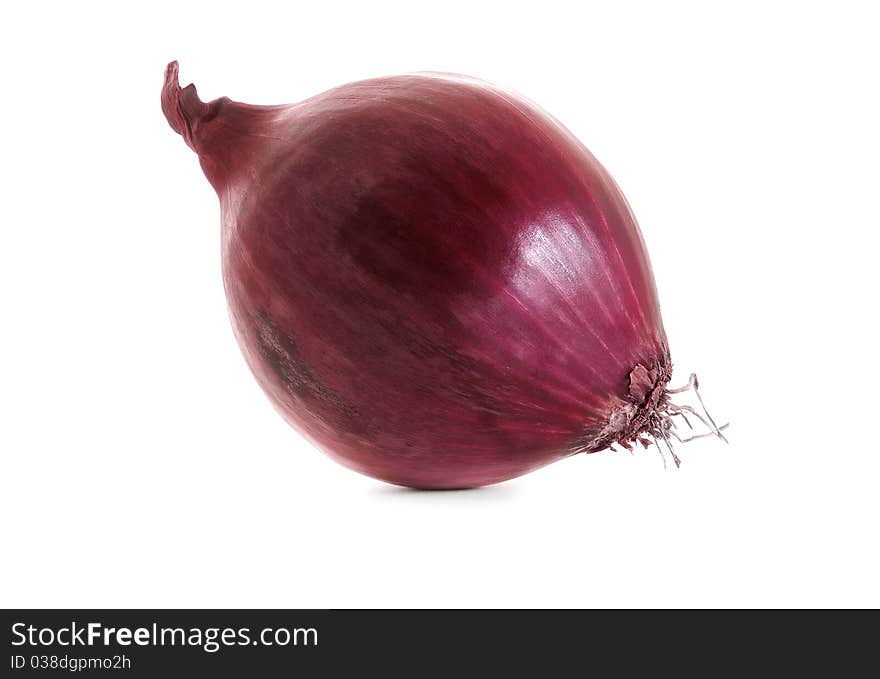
432, 279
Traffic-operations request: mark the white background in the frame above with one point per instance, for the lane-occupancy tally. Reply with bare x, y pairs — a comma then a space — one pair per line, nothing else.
141, 464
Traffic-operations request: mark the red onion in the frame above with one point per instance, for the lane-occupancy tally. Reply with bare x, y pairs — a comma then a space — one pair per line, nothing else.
432, 279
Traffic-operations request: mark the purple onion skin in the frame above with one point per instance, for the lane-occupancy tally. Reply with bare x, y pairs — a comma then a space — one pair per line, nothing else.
430, 277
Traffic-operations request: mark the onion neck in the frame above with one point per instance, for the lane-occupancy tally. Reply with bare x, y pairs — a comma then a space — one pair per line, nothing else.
185, 112
221, 132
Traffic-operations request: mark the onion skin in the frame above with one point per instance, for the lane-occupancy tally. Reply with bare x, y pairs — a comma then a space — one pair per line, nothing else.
430, 277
